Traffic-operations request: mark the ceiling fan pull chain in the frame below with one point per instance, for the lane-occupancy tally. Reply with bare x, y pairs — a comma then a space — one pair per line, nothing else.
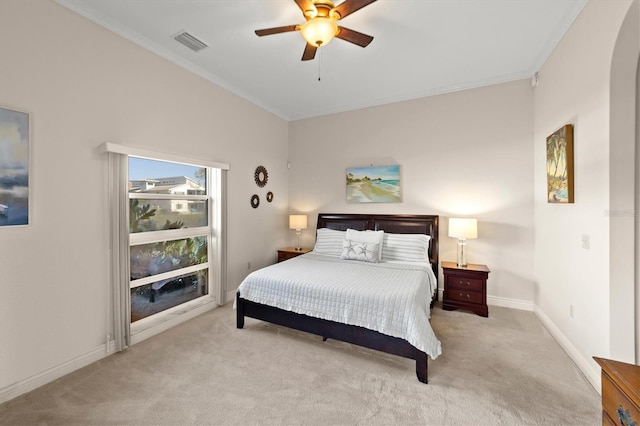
319, 64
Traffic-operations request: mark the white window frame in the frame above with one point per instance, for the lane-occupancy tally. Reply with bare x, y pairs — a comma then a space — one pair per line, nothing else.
124, 332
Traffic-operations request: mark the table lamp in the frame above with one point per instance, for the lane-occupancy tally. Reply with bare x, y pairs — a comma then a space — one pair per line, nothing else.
298, 222
462, 229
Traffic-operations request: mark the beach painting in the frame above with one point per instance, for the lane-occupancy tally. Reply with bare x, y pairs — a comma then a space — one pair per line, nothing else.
560, 166
14, 168
379, 184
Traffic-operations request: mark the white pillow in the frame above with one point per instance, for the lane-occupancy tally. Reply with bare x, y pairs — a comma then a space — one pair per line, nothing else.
329, 241
354, 250
366, 237
406, 247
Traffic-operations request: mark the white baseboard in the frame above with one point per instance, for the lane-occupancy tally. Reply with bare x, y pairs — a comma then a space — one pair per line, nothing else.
16, 389
523, 305
583, 364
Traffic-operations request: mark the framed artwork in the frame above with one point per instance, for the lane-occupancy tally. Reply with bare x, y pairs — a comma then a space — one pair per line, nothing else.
14, 167
380, 184
560, 166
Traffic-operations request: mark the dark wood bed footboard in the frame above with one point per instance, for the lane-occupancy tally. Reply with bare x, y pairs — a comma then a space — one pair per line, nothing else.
333, 330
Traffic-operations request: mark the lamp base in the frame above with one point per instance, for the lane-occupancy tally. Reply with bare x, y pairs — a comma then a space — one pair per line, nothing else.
462, 253
298, 232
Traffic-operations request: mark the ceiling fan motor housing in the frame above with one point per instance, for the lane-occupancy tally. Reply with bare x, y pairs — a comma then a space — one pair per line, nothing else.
323, 9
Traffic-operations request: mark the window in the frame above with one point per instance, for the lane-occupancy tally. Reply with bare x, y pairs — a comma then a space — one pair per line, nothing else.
169, 241
167, 245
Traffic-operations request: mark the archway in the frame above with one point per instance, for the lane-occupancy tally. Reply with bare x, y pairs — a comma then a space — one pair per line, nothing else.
623, 191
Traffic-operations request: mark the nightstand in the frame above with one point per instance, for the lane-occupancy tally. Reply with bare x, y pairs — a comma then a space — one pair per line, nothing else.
290, 252
620, 392
465, 288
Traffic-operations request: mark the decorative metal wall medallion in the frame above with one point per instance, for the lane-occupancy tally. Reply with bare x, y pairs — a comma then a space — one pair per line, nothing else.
269, 196
261, 176
255, 201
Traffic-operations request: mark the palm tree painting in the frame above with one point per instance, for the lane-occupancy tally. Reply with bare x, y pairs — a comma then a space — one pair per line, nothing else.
560, 166
14, 167
380, 184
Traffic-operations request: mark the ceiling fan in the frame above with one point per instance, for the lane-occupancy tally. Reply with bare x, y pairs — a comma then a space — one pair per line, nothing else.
322, 24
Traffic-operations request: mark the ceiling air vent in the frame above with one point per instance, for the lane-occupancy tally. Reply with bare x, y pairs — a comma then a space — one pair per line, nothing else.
190, 41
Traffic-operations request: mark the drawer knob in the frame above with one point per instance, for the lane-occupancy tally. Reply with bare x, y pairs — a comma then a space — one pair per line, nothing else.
464, 282
462, 294
625, 417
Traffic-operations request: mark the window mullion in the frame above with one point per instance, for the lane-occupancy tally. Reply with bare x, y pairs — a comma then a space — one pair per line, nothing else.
168, 275
155, 196
167, 235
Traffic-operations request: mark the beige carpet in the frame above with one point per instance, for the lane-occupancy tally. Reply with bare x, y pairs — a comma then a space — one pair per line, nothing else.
505, 369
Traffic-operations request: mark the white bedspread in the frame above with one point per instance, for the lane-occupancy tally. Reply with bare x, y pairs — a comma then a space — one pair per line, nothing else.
390, 297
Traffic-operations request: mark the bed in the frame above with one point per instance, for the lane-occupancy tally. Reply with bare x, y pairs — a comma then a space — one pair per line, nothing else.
287, 293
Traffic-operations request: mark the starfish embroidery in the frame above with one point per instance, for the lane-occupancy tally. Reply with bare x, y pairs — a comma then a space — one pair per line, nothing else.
350, 247
365, 251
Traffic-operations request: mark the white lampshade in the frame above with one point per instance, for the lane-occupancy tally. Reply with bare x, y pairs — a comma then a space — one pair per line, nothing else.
319, 31
298, 221
463, 228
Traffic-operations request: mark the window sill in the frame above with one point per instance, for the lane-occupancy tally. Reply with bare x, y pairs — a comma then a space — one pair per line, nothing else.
163, 321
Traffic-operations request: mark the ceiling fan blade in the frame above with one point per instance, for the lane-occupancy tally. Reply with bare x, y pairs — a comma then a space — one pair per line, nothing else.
354, 37
309, 52
277, 30
349, 6
306, 5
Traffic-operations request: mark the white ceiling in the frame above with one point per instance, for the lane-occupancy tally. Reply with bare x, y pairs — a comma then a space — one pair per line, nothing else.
421, 47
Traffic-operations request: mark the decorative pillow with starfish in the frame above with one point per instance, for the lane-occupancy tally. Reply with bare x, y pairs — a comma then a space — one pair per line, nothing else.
367, 237
353, 250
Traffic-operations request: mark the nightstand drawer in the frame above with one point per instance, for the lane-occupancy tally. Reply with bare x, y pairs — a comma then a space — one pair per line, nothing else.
613, 399
291, 252
462, 283
282, 256
606, 420
464, 296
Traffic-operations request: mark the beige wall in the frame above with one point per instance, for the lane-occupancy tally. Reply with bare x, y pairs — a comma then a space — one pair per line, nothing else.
575, 88
83, 86
467, 153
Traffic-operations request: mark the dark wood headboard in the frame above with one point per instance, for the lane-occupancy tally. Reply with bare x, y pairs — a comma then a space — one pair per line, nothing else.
392, 223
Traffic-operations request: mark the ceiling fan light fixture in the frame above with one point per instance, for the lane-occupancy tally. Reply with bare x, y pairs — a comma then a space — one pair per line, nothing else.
319, 31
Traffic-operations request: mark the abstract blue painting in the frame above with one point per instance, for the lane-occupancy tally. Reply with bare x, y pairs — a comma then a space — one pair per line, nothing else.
14, 167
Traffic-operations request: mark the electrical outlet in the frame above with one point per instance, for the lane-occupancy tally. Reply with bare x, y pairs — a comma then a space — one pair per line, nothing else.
586, 242
249, 266
571, 311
